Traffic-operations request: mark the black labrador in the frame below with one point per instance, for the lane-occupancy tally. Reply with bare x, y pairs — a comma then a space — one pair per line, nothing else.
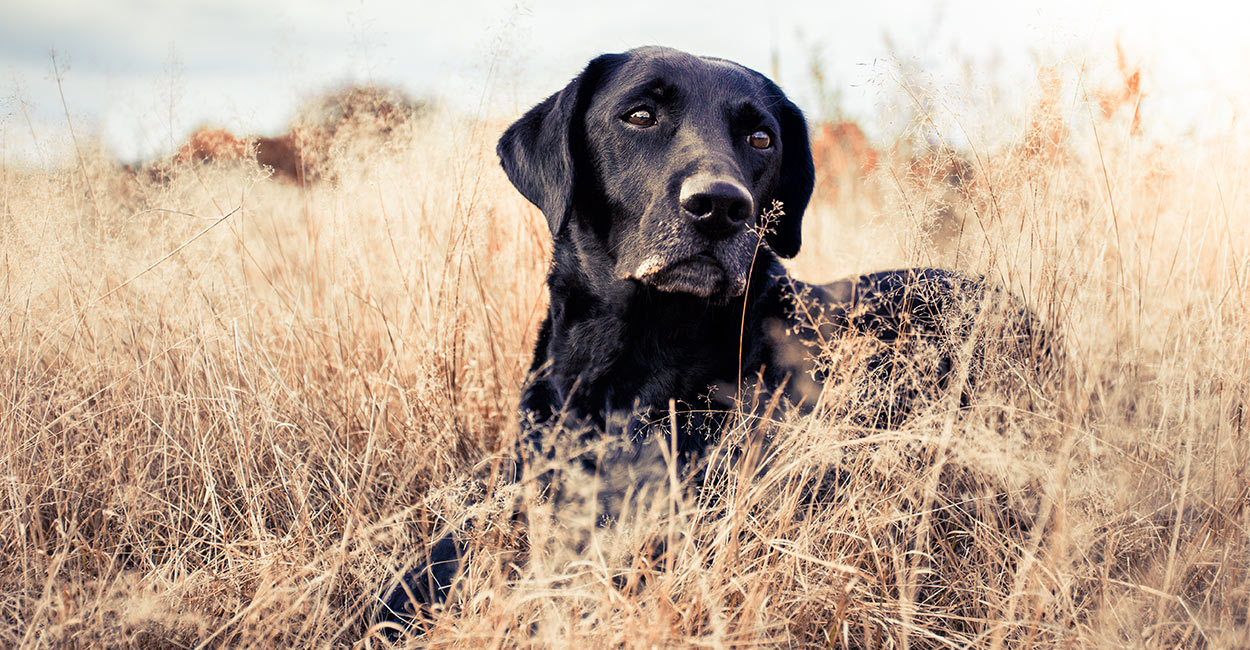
672, 185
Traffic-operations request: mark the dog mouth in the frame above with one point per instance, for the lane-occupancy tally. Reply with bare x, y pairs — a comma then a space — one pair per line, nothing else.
701, 274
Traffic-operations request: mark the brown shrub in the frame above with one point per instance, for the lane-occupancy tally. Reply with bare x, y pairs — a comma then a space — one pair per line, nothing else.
208, 143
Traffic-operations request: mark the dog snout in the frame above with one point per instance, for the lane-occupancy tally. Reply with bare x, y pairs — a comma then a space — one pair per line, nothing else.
716, 205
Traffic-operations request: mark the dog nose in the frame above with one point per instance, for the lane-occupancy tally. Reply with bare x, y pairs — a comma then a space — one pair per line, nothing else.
716, 205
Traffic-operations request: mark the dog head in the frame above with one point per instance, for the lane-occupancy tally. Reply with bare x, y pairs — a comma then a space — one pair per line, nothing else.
658, 165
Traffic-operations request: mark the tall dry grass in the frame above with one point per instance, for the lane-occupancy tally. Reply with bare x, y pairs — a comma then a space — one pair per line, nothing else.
238, 444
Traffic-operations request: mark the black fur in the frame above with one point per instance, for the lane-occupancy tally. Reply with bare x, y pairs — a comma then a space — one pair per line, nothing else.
660, 286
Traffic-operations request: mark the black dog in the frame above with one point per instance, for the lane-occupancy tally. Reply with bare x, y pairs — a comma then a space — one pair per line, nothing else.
656, 171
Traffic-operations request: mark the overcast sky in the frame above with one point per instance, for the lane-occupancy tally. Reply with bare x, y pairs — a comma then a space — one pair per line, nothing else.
143, 73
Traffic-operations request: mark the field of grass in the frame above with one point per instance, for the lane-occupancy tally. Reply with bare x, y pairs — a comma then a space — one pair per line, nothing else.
231, 408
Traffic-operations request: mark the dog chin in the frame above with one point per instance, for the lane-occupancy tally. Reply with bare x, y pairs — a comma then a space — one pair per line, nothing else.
700, 277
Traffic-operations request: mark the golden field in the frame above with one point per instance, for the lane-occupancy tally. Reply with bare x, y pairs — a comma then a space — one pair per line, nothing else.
233, 406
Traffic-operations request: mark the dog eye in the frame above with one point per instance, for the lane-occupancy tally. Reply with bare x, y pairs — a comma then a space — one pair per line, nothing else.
641, 116
760, 139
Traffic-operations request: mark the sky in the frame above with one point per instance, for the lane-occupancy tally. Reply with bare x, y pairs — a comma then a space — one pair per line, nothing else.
141, 74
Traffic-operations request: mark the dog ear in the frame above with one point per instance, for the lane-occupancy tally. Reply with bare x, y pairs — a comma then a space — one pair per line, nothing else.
798, 175
539, 151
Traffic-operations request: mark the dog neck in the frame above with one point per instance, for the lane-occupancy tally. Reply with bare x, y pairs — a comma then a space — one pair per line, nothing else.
611, 345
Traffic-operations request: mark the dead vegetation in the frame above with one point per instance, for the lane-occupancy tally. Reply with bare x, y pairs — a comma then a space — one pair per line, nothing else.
240, 445
342, 124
